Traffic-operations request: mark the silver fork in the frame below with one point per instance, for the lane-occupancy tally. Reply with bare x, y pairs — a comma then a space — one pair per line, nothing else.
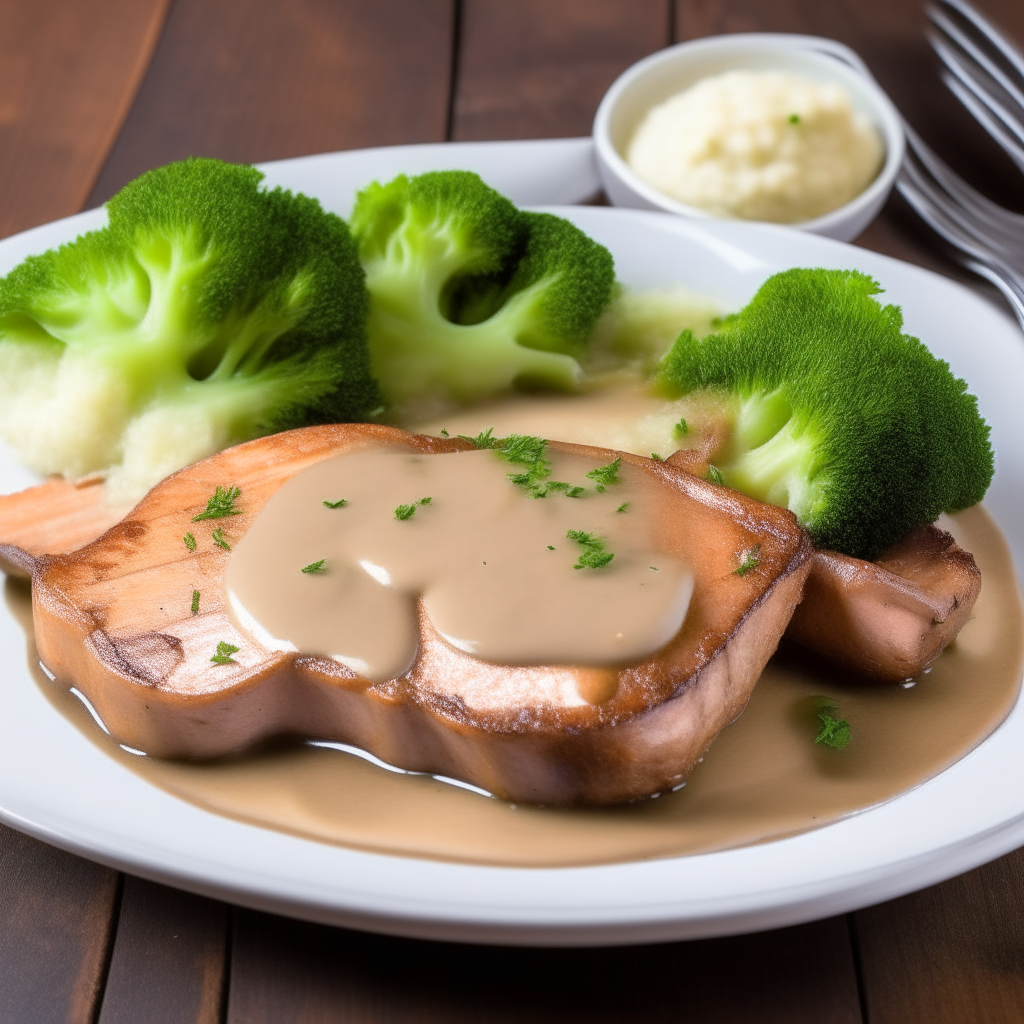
986, 238
987, 74
983, 70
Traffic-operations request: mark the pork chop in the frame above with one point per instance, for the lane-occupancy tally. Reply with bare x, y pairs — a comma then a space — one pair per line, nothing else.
114, 619
888, 619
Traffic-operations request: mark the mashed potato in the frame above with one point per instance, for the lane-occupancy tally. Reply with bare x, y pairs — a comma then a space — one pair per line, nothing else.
758, 145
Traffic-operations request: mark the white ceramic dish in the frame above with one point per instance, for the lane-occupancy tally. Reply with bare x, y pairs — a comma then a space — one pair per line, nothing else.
671, 70
55, 784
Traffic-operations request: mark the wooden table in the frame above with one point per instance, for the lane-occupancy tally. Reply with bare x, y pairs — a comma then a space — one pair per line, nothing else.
92, 94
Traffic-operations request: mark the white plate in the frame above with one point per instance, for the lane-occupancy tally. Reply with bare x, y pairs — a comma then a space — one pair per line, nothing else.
55, 784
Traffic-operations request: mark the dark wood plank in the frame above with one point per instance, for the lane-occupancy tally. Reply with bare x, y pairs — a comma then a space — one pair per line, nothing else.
253, 80
68, 74
286, 972
949, 954
56, 922
168, 960
537, 69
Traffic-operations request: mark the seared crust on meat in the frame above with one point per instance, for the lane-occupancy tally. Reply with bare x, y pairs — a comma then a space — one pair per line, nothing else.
114, 618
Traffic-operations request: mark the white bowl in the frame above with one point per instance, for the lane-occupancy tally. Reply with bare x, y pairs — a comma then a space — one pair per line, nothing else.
669, 71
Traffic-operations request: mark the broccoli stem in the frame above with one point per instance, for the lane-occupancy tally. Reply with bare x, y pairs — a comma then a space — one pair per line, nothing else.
415, 349
779, 469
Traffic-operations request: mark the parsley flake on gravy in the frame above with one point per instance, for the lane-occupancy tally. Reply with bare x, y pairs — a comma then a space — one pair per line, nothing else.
593, 555
834, 732
605, 476
403, 512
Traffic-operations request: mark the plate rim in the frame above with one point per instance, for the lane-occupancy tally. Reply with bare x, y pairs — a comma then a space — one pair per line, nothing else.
552, 906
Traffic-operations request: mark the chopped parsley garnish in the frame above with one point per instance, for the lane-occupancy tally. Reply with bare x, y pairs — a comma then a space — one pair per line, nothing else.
531, 453
444, 433
224, 652
221, 504
218, 538
623, 507
485, 439
605, 476
195, 602
714, 475
657, 457
190, 541
593, 555
551, 547
340, 503
681, 428
834, 732
794, 118
403, 512
569, 490
315, 567
653, 568
749, 559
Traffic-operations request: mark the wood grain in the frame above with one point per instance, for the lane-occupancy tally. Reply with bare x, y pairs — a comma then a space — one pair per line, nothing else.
286, 972
168, 960
68, 74
537, 69
253, 80
949, 954
56, 922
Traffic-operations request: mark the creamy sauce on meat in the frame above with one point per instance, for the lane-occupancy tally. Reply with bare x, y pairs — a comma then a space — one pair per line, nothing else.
762, 779
337, 559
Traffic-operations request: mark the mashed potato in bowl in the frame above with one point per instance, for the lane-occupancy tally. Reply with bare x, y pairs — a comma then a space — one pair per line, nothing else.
758, 145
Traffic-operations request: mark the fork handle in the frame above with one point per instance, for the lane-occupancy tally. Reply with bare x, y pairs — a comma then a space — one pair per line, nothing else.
1011, 286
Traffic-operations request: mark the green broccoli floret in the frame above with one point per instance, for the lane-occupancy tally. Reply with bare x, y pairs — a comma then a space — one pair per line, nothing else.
207, 312
836, 414
469, 296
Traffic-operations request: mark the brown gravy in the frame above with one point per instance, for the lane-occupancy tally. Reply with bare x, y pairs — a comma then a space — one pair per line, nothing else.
495, 569
764, 778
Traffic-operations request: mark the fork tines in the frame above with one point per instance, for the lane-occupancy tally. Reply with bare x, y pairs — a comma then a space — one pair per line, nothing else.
984, 70
985, 238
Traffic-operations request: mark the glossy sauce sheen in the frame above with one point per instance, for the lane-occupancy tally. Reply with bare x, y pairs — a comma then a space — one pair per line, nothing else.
763, 778
494, 568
